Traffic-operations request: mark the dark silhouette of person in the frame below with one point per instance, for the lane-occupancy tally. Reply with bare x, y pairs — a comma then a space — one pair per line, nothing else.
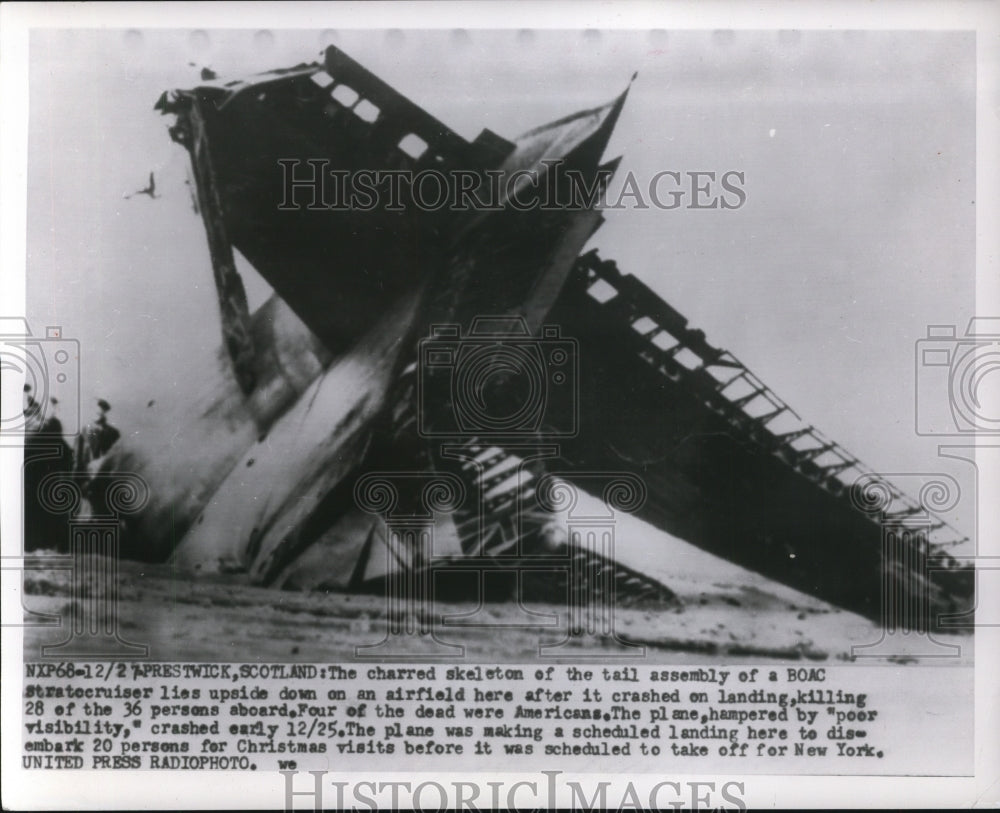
93, 443
45, 453
32, 411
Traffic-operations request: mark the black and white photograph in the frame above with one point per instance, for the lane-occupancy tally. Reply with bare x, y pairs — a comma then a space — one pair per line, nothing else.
480, 396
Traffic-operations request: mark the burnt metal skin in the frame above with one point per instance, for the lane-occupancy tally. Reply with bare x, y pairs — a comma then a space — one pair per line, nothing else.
336, 266
503, 260
716, 480
452, 295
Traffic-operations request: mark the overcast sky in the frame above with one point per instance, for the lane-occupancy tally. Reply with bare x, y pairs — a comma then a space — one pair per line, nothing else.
858, 151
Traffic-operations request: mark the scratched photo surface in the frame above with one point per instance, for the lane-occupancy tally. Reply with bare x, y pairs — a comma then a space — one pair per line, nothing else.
490, 344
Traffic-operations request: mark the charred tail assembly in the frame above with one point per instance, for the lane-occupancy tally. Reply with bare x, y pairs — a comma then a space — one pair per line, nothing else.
719, 459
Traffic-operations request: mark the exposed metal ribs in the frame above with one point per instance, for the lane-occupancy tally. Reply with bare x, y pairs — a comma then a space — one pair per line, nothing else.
731, 390
502, 526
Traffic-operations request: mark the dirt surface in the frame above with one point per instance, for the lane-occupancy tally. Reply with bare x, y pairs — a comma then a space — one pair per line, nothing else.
722, 613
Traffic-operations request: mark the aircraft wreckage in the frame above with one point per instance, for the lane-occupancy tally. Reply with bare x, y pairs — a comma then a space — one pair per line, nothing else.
425, 387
